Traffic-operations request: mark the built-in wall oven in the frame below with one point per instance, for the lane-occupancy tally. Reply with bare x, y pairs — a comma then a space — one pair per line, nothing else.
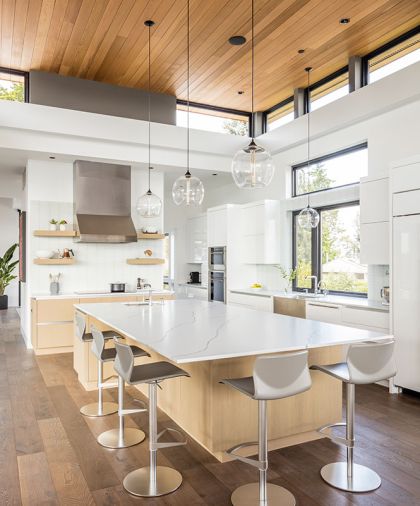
217, 274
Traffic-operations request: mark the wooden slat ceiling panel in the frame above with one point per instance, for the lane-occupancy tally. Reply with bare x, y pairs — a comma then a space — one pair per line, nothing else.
106, 40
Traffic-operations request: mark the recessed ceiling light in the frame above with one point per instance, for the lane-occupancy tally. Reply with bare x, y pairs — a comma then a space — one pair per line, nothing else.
241, 92
215, 174
237, 40
52, 157
301, 51
344, 21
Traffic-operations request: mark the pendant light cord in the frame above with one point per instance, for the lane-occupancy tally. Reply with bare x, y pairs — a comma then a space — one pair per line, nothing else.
308, 123
188, 88
252, 69
149, 23
148, 99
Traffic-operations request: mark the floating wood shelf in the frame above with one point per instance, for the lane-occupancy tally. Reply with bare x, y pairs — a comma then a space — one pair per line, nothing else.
141, 235
54, 261
145, 261
55, 233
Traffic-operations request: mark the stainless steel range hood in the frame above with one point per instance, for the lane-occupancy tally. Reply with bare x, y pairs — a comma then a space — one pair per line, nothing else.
102, 202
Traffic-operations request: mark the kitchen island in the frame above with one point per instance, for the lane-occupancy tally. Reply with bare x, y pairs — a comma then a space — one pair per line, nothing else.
213, 341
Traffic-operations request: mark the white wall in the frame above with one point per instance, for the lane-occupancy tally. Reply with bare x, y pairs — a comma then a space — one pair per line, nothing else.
50, 195
9, 234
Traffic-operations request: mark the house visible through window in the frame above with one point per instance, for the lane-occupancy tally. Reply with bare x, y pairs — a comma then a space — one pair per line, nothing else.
330, 91
12, 87
281, 115
331, 171
213, 121
331, 252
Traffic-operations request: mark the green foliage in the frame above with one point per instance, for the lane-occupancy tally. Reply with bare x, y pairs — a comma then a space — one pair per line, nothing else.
62, 222
235, 127
288, 275
15, 93
336, 242
53, 221
7, 267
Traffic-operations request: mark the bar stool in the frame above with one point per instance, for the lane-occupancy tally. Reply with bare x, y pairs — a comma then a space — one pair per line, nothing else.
153, 480
366, 363
122, 437
99, 408
274, 377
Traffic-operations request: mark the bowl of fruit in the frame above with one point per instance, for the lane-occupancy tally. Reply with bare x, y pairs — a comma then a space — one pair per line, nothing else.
256, 287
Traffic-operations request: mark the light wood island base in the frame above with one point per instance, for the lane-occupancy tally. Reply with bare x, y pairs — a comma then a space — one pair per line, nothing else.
218, 417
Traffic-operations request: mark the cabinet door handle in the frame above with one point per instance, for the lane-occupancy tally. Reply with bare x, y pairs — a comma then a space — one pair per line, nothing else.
323, 305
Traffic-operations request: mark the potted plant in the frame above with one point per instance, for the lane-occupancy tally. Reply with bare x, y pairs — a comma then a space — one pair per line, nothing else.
62, 224
53, 224
6, 274
289, 275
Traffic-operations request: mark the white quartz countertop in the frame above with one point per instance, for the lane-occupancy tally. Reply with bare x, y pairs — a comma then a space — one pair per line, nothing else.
190, 330
341, 300
88, 294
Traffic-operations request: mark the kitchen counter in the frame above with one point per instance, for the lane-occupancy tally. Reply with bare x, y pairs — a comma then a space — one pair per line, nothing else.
213, 341
342, 300
87, 295
194, 285
190, 330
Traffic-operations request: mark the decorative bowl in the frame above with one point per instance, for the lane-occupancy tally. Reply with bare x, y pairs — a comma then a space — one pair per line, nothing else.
44, 253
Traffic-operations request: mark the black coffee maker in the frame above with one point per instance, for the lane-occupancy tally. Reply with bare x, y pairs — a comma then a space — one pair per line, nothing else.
194, 277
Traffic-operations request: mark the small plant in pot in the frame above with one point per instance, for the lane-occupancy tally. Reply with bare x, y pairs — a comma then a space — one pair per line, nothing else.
7, 266
62, 224
53, 224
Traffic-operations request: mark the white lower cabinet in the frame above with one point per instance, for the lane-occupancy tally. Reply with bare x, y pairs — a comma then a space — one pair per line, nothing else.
323, 313
195, 292
259, 302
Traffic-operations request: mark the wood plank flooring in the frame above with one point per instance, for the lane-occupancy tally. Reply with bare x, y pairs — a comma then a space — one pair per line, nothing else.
49, 454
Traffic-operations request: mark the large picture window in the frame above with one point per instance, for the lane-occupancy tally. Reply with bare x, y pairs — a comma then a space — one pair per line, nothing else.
331, 252
13, 85
332, 171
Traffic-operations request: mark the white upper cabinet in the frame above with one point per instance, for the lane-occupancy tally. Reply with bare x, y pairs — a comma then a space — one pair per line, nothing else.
260, 225
197, 239
374, 200
374, 221
217, 225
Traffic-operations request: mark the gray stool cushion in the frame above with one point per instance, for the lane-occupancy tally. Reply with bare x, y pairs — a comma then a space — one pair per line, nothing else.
109, 354
244, 385
157, 371
339, 371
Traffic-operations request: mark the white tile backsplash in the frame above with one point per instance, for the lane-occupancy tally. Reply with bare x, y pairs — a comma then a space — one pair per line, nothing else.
96, 265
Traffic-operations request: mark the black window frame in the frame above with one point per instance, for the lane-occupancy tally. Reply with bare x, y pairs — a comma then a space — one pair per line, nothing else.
384, 48
224, 110
335, 154
316, 267
20, 73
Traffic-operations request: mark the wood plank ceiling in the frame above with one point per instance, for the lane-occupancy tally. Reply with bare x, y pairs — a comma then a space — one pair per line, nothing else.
106, 40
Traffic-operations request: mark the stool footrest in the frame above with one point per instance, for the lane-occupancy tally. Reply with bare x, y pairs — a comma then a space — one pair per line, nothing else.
157, 445
262, 465
123, 412
349, 443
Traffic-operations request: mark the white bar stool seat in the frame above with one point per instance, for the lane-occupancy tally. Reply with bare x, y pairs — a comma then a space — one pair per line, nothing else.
274, 377
366, 363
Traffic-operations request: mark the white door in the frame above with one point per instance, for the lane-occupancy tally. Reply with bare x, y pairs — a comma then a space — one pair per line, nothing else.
406, 300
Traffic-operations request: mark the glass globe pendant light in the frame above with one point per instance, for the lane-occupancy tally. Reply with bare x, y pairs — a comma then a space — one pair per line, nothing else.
308, 218
188, 189
252, 166
149, 205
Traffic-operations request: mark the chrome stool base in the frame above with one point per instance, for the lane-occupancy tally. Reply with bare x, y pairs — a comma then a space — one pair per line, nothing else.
114, 439
249, 495
362, 480
92, 410
141, 483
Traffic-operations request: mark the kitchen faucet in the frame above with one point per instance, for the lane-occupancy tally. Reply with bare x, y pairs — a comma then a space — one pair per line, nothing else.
315, 278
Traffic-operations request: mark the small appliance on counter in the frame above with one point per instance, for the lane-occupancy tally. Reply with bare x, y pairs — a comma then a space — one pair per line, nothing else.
117, 287
143, 284
385, 295
194, 277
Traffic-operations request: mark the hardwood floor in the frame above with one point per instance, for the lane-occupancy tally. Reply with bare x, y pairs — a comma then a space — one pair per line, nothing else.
49, 454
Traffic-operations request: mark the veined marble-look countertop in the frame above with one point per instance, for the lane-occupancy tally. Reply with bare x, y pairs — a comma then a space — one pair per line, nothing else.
88, 294
190, 330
